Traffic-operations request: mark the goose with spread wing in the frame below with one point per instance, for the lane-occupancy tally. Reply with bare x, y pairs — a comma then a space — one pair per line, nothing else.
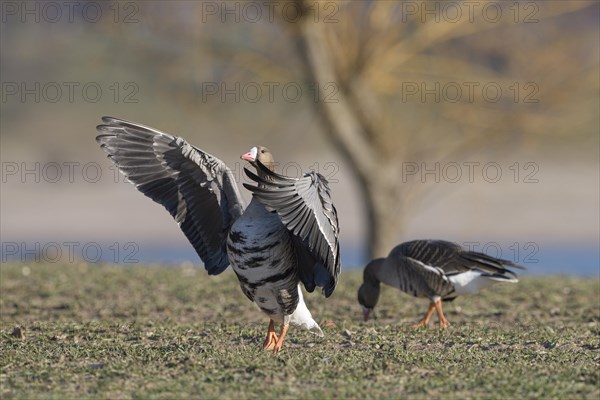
435, 269
287, 235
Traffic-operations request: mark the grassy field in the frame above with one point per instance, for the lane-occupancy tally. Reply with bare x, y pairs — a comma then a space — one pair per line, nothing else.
91, 331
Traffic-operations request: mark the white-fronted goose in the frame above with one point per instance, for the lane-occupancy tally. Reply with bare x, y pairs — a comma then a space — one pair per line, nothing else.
435, 269
287, 235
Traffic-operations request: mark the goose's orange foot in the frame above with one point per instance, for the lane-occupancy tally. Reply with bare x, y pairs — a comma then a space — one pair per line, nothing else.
284, 329
444, 324
271, 340
425, 321
421, 324
443, 321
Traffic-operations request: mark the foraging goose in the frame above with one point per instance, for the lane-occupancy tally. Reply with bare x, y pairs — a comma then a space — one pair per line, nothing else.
288, 233
435, 269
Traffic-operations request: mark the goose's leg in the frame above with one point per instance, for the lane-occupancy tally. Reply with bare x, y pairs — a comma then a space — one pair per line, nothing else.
425, 320
284, 329
438, 307
271, 339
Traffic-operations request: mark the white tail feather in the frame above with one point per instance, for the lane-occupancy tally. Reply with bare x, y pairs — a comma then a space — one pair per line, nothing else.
471, 282
303, 318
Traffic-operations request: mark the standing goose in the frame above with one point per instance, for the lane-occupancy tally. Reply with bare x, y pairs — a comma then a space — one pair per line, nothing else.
435, 269
288, 234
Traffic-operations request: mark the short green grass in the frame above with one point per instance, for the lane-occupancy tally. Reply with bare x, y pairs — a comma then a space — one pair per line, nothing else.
92, 331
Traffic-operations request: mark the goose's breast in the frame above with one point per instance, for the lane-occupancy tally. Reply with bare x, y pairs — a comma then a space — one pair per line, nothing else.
261, 254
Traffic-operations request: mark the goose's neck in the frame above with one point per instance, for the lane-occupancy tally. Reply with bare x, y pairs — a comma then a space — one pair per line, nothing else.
372, 271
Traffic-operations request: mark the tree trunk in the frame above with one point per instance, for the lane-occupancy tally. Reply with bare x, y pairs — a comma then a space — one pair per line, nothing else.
386, 219
380, 196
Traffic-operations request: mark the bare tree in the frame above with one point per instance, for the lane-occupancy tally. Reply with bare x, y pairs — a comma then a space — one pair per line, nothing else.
365, 52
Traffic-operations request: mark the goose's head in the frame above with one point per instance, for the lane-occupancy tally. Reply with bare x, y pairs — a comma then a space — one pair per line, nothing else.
261, 154
368, 293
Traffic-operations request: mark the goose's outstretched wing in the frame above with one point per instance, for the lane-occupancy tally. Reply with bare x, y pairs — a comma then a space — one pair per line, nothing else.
305, 208
197, 189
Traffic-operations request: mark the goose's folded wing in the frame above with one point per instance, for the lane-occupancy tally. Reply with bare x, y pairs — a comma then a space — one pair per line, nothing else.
197, 189
305, 208
452, 259
417, 278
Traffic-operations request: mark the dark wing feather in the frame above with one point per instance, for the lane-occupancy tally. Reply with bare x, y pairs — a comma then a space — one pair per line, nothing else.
452, 259
197, 189
420, 279
305, 208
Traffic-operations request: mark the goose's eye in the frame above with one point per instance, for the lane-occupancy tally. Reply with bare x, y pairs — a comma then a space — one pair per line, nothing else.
262, 151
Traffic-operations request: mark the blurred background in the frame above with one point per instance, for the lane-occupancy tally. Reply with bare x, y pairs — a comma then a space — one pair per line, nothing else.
475, 122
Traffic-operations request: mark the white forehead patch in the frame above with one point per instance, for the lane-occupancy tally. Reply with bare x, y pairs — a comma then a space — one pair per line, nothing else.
254, 152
